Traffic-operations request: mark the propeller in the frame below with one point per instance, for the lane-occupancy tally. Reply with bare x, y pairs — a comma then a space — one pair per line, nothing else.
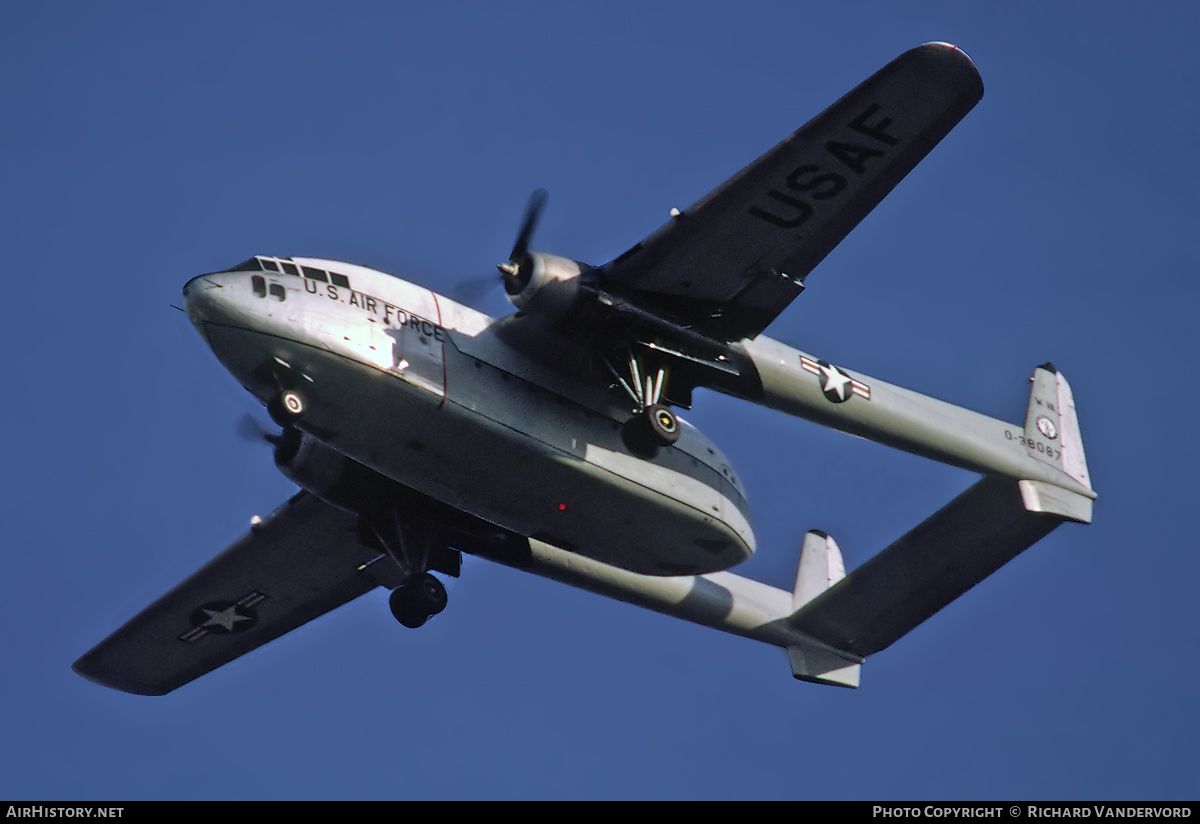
251, 429
515, 270
471, 292
286, 443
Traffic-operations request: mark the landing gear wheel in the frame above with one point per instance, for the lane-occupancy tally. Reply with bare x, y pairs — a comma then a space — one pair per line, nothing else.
429, 593
414, 603
663, 423
654, 426
287, 407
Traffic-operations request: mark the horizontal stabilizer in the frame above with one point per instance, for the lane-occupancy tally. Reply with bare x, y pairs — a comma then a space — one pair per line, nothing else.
960, 545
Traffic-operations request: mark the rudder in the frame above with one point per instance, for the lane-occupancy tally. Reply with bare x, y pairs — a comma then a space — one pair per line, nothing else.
1052, 436
1052, 427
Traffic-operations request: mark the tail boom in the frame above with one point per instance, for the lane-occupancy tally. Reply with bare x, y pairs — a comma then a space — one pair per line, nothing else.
800, 384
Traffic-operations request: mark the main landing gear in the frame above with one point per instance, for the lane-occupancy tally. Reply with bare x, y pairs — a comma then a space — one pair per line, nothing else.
418, 600
402, 531
647, 430
654, 425
409, 541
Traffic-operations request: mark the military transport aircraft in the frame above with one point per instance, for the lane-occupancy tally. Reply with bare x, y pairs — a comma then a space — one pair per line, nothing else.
418, 429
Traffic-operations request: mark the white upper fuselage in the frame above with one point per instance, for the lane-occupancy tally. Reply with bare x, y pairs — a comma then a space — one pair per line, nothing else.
420, 389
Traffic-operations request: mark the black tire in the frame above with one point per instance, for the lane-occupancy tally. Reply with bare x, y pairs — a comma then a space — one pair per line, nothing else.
287, 407
638, 437
404, 610
419, 599
429, 593
653, 427
663, 423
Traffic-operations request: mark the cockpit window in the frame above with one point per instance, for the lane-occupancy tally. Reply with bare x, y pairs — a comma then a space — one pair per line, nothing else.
278, 292
260, 286
261, 263
250, 265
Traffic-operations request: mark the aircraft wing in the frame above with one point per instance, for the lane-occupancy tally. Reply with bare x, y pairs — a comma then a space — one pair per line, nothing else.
731, 263
301, 561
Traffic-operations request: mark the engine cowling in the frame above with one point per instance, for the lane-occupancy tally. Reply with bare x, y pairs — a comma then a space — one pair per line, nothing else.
548, 286
331, 476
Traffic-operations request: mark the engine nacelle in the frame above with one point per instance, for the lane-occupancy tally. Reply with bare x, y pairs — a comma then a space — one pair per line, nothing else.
547, 285
331, 476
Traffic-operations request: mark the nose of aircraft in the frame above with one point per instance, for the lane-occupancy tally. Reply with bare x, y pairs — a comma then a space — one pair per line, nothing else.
200, 298
207, 299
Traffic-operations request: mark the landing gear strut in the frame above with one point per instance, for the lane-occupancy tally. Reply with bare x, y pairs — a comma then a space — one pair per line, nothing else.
410, 543
654, 424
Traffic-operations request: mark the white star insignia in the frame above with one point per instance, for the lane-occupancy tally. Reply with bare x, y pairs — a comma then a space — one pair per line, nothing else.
226, 618
835, 381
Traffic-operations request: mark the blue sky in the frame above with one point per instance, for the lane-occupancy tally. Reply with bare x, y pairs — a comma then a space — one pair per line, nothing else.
146, 143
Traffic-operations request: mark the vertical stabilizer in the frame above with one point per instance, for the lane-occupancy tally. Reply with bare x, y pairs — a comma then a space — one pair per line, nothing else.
1051, 426
1073, 461
821, 567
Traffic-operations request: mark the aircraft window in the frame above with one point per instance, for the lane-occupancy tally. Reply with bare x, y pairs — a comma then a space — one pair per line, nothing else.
250, 265
268, 265
289, 268
278, 292
260, 286
315, 274
339, 280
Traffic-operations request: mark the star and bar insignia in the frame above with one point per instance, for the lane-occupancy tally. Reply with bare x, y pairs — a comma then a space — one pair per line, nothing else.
223, 618
835, 383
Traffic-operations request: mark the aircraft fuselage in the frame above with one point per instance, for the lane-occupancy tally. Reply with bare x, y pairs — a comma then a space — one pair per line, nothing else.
417, 388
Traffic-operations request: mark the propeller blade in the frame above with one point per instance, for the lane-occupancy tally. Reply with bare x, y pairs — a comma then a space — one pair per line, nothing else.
511, 270
472, 291
533, 213
249, 428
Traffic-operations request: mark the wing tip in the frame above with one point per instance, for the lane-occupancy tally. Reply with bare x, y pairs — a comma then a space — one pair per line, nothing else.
95, 671
946, 45
954, 54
